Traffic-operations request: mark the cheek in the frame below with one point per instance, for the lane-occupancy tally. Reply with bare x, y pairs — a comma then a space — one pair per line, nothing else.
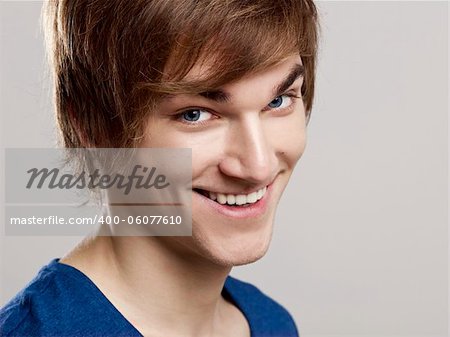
289, 137
206, 152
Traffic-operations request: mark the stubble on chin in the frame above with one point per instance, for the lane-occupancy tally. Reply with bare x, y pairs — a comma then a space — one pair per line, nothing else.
230, 251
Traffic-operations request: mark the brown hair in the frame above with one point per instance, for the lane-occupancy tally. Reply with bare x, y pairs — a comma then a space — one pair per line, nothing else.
113, 59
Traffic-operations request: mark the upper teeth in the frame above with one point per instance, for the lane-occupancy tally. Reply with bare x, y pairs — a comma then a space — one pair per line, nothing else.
239, 199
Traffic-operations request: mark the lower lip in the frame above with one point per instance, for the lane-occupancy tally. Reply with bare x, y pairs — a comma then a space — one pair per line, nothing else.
253, 210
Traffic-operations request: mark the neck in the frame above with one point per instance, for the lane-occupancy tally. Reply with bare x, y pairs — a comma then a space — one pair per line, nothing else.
156, 287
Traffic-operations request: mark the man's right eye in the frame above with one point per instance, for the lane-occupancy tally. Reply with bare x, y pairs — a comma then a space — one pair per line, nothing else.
194, 116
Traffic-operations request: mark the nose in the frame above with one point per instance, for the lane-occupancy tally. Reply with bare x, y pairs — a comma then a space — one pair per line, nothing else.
248, 153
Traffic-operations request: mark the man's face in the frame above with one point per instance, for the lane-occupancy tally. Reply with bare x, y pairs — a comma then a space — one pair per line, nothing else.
246, 139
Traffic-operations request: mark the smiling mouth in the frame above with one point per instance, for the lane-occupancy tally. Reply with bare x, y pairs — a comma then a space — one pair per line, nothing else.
237, 200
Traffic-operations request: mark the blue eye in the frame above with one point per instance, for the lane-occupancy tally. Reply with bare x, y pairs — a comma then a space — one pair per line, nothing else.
282, 102
277, 102
194, 116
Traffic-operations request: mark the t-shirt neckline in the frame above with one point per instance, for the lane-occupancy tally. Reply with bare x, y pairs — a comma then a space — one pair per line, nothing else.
73, 272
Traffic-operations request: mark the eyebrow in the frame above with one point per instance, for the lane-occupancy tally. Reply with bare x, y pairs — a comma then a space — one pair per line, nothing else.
217, 95
221, 96
297, 71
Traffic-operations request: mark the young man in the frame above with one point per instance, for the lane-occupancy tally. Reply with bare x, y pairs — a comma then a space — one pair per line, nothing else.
233, 81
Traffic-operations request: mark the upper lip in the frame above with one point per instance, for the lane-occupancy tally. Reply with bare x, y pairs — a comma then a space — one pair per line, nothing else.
234, 192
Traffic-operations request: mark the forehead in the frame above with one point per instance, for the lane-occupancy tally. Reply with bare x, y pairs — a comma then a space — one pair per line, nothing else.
287, 70
247, 92
276, 78
205, 68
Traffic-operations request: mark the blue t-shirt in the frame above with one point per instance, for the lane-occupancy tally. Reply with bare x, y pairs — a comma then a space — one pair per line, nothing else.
62, 301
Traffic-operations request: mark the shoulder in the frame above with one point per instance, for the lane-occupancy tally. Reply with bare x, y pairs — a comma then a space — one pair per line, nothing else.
20, 315
61, 301
266, 317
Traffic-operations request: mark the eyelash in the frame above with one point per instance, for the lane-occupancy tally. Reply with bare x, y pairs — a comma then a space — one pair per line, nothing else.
292, 96
179, 116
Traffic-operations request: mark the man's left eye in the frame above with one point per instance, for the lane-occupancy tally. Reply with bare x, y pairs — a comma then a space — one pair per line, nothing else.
279, 102
195, 116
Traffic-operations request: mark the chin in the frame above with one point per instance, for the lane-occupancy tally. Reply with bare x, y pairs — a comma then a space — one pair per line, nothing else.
234, 249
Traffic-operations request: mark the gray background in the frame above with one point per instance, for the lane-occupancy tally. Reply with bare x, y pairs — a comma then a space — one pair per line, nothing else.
360, 243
